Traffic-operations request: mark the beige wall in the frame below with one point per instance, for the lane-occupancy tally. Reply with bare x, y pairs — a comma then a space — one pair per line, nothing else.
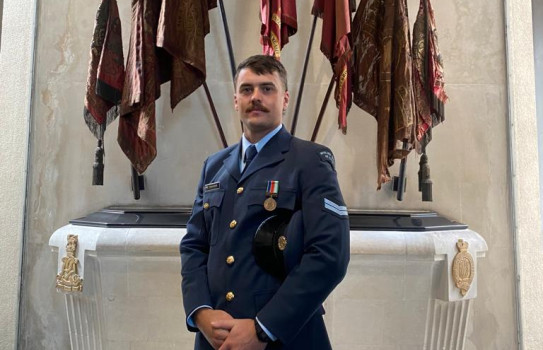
468, 156
525, 171
15, 91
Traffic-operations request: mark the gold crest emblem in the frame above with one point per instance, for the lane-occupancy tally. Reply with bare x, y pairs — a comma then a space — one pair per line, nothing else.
68, 280
463, 268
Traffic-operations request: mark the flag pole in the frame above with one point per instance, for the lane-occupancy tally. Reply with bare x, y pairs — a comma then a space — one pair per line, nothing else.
323, 108
229, 46
135, 182
228, 39
215, 116
302, 82
401, 176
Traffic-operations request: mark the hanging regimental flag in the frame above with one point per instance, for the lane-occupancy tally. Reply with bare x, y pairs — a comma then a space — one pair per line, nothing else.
272, 191
336, 46
279, 22
429, 84
429, 88
382, 78
105, 79
164, 46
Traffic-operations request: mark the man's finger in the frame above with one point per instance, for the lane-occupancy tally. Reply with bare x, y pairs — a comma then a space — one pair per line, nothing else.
223, 324
225, 346
220, 334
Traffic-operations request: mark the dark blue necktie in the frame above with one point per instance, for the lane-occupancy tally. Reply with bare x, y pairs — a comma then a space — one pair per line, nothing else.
250, 154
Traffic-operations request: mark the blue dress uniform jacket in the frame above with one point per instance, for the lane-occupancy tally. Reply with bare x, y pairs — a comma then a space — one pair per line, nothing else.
218, 267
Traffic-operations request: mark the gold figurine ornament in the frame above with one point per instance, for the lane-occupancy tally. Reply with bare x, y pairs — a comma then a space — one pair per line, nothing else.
463, 268
68, 280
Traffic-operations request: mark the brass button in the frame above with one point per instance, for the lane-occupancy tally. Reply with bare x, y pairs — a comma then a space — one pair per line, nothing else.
240, 190
206, 205
229, 296
282, 243
230, 260
233, 223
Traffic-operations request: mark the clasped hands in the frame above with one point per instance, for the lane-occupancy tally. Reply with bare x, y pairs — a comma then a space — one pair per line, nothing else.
224, 332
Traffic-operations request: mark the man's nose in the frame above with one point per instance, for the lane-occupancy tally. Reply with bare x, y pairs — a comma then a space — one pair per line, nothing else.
256, 96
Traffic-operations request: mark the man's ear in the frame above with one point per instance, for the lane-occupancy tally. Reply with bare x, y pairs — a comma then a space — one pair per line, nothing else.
236, 102
285, 100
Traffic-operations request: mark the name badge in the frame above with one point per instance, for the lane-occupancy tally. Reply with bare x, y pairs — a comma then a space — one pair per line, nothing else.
212, 186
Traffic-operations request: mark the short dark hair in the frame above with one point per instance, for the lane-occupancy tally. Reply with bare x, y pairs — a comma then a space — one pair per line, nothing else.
263, 64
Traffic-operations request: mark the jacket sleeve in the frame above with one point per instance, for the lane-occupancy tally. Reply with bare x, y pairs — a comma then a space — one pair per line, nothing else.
194, 250
326, 251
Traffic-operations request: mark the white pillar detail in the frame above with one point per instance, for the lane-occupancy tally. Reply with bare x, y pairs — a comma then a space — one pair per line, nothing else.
399, 291
446, 324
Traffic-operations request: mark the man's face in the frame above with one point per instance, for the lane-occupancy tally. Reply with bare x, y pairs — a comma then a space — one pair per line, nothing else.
260, 101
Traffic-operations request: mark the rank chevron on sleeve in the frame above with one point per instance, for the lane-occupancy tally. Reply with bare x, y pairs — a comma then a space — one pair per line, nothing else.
340, 210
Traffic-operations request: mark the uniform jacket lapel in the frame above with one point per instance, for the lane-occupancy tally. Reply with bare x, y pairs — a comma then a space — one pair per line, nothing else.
231, 163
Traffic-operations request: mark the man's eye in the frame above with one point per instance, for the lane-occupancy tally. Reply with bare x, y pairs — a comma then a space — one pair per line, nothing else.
245, 90
267, 88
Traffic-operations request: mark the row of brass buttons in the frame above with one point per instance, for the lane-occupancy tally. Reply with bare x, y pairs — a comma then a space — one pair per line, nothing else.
230, 259
230, 296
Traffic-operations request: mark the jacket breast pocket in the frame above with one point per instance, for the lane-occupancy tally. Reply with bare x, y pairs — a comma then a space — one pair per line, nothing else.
285, 199
212, 204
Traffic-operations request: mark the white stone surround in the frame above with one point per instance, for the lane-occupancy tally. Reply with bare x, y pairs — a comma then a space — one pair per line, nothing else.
398, 292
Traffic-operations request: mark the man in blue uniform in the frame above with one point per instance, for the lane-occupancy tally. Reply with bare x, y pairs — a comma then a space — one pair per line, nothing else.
230, 300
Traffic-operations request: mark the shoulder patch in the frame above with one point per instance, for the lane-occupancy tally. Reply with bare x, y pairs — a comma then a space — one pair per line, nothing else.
328, 157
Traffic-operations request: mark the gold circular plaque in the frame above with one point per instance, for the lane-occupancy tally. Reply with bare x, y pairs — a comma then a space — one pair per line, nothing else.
270, 204
282, 243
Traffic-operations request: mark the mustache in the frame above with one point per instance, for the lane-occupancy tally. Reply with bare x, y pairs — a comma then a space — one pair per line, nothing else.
257, 106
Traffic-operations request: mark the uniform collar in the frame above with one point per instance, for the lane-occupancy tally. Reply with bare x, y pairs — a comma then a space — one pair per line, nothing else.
263, 141
259, 145
272, 153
